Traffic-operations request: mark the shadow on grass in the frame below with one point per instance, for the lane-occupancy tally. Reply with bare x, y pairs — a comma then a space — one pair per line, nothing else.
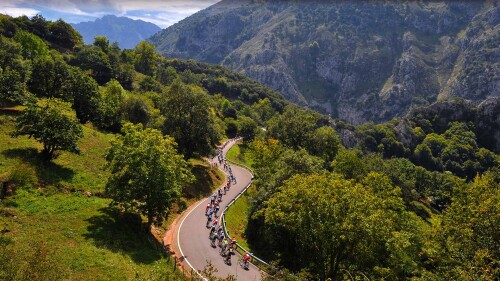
121, 233
48, 172
202, 184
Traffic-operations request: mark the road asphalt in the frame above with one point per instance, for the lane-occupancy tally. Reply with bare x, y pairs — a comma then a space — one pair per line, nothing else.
191, 240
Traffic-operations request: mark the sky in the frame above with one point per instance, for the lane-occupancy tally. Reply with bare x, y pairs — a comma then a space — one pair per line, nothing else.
160, 12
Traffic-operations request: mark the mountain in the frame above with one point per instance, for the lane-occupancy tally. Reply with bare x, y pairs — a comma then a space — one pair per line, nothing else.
357, 60
127, 32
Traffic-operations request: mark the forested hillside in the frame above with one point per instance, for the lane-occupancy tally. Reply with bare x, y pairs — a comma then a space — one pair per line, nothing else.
99, 144
357, 60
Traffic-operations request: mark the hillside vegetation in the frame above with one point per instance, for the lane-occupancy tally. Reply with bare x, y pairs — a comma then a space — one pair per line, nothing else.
100, 146
357, 60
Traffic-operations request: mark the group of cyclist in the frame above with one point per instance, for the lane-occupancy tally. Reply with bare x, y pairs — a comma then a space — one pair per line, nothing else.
217, 236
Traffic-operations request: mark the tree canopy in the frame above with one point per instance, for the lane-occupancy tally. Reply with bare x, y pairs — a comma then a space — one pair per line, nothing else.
51, 122
147, 173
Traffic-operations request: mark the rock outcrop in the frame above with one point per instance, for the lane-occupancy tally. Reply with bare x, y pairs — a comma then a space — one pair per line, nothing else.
356, 60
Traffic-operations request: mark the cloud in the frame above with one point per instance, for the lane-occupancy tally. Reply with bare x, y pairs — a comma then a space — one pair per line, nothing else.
17, 12
161, 12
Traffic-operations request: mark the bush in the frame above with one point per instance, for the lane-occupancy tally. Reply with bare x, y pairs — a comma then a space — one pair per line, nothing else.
22, 175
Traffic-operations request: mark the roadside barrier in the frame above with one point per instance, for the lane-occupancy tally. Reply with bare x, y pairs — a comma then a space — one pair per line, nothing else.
261, 264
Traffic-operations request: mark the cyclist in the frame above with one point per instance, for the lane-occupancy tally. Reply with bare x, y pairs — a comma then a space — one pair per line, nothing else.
216, 209
213, 239
207, 208
212, 229
223, 247
227, 259
232, 245
221, 237
246, 260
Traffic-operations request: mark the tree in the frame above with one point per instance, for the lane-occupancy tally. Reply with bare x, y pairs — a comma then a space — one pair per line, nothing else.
112, 95
125, 74
145, 58
14, 73
189, 119
93, 59
32, 45
247, 128
137, 109
264, 109
147, 174
51, 122
85, 93
324, 143
469, 236
50, 77
102, 42
292, 127
166, 74
64, 35
330, 224
350, 164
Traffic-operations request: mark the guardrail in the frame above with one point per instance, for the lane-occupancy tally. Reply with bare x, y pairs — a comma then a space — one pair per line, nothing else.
223, 221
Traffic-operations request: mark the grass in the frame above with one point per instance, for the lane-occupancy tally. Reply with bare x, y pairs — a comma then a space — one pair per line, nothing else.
237, 220
86, 239
240, 154
68, 171
80, 237
238, 214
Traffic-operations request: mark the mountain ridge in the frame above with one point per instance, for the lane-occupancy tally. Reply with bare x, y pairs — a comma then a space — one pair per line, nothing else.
126, 31
359, 61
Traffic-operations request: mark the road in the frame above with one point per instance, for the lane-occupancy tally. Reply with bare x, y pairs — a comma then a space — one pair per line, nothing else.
191, 240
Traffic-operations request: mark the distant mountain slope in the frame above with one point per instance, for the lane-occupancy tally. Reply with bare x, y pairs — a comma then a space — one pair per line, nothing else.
358, 60
127, 32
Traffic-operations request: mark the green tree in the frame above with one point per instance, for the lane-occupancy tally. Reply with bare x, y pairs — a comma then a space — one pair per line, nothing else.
149, 84
15, 72
93, 59
102, 42
469, 235
189, 119
85, 93
64, 34
146, 56
331, 224
112, 95
51, 122
166, 74
125, 74
292, 127
324, 142
137, 109
350, 164
264, 110
147, 174
51, 77
39, 26
32, 45
247, 128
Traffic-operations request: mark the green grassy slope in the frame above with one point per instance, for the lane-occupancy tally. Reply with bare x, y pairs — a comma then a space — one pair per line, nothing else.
54, 229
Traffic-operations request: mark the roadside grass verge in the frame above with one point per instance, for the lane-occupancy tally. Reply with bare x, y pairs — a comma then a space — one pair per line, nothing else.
237, 215
239, 153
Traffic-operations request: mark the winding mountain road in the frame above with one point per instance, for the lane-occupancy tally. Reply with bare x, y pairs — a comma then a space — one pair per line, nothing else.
190, 235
